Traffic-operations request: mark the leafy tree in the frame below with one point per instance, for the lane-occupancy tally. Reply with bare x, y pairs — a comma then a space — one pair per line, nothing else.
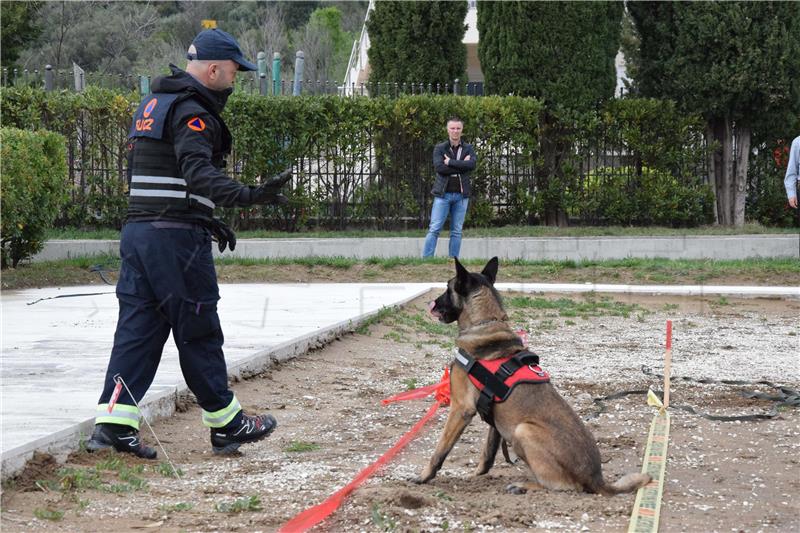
562, 53
18, 29
417, 42
101, 37
736, 63
296, 13
325, 45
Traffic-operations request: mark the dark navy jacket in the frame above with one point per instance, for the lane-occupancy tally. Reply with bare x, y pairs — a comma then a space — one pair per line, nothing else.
179, 145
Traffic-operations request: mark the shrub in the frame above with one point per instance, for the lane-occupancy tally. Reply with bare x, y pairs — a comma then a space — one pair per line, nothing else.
621, 196
33, 191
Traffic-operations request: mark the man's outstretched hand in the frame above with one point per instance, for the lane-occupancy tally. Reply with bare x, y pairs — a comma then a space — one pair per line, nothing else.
269, 192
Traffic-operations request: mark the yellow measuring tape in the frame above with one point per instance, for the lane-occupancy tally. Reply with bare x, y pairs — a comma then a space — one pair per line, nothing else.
647, 507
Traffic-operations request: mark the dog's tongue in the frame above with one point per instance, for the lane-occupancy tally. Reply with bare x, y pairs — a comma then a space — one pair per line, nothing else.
431, 305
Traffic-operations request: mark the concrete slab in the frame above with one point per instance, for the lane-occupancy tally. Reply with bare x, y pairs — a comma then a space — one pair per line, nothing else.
55, 352
527, 248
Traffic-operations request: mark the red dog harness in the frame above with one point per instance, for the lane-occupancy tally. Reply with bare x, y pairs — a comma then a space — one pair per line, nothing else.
496, 378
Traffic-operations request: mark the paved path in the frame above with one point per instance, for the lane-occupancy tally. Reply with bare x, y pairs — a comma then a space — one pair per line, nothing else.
55, 351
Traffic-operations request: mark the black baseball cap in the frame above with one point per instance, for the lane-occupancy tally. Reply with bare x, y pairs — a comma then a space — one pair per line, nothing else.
217, 44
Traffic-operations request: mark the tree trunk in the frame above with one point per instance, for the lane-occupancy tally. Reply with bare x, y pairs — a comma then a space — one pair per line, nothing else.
713, 166
740, 175
721, 165
549, 174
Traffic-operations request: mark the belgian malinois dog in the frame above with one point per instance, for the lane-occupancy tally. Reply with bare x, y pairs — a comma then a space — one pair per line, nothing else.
535, 421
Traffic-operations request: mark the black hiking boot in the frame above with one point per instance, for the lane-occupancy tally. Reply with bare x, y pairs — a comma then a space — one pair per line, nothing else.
121, 438
227, 439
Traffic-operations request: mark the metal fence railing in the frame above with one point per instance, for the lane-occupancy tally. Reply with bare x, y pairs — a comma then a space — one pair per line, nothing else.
250, 83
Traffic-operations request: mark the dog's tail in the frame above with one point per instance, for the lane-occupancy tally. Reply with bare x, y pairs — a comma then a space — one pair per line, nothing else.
627, 483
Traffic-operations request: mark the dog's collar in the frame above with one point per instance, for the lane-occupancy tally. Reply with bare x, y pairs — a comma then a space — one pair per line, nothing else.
482, 323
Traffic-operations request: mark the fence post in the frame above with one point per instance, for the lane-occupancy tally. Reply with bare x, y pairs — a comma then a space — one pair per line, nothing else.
48, 78
144, 85
80, 79
276, 73
261, 73
299, 61
455, 86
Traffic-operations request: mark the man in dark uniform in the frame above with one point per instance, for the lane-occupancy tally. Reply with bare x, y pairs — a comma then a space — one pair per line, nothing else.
167, 279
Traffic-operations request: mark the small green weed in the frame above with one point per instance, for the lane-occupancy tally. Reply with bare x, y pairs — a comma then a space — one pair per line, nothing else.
78, 478
363, 328
569, 308
166, 470
48, 514
299, 446
381, 520
240, 505
410, 383
176, 507
443, 495
395, 336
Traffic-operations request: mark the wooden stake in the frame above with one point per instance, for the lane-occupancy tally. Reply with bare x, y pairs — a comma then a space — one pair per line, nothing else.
667, 364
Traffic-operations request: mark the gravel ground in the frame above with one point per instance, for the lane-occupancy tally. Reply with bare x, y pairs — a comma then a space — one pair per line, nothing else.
721, 476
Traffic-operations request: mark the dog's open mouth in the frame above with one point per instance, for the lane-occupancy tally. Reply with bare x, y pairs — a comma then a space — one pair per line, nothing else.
433, 311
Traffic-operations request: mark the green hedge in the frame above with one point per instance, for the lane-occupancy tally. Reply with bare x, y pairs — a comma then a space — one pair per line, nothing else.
33, 189
95, 125
367, 161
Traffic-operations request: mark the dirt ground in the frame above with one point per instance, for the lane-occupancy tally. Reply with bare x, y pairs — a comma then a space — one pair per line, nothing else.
721, 476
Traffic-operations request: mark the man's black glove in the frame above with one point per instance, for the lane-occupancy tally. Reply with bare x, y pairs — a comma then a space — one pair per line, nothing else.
269, 192
223, 235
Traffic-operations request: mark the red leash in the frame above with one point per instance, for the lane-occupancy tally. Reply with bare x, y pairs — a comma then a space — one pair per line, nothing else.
314, 515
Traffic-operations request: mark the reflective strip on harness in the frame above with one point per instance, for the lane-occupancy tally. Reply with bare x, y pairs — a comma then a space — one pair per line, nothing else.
126, 415
220, 418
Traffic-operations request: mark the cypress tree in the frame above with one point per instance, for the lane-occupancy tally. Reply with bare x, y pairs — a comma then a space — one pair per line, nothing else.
418, 42
560, 52
735, 63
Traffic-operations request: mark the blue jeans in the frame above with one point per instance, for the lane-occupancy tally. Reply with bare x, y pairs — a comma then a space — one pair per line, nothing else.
454, 204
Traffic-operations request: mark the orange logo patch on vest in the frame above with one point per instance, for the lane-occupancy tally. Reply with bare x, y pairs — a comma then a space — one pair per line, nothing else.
149, 107
196, 124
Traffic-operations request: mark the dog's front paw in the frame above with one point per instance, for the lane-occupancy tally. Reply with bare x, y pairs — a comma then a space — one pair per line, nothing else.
418, 480
513, 488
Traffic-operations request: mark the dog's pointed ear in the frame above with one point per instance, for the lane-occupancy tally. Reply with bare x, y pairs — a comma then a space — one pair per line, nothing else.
490, 270
463, 279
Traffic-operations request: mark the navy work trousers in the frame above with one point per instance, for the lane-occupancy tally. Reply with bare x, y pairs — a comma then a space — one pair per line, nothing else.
167, 282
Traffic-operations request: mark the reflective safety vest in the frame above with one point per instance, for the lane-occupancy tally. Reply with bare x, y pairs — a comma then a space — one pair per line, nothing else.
156, 186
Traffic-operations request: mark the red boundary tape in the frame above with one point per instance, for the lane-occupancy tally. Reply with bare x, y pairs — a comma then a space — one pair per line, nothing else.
313, 516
